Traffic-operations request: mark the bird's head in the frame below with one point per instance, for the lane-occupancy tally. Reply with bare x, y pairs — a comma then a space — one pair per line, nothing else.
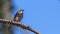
20, 11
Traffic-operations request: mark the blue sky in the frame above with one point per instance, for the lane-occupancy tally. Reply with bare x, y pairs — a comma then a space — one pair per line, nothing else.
41, 15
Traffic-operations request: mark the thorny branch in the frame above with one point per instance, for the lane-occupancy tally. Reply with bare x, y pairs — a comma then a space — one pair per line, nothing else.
18, 24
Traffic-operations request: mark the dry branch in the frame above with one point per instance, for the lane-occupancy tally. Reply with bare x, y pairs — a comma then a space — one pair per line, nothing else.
18, 24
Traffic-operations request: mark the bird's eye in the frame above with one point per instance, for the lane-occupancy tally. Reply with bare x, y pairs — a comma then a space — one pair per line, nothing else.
20, 12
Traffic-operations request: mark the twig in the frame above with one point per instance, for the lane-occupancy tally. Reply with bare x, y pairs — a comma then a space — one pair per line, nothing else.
18, 24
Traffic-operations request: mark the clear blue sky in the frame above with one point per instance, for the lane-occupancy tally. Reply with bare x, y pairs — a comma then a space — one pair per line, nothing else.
42, 15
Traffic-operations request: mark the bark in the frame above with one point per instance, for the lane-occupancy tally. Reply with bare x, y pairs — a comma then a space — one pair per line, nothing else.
5, 13
23, 26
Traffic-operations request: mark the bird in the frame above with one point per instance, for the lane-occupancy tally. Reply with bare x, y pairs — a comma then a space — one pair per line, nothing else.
18, 17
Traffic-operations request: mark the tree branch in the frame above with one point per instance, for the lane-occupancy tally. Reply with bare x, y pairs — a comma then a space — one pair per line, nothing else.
18, 24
